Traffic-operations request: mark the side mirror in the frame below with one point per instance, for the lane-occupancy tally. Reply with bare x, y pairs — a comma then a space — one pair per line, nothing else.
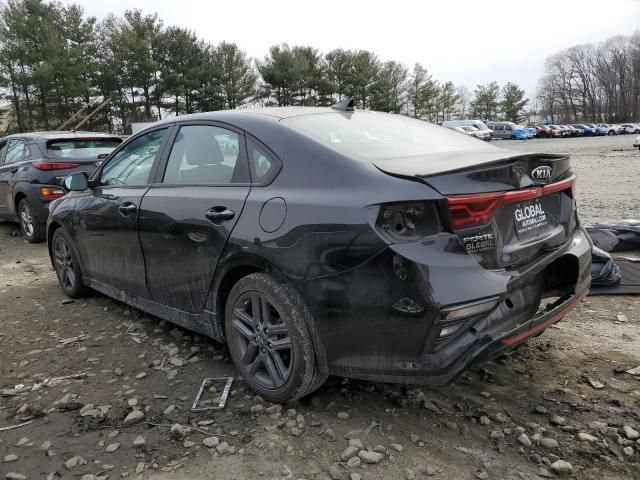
76, 182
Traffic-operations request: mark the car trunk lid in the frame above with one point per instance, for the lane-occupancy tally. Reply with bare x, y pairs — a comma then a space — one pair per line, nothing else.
505, 207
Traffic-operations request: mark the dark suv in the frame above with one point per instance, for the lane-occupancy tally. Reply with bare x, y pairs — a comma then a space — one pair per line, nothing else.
32, 166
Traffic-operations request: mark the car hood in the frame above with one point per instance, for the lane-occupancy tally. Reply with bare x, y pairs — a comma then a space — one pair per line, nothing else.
436, 163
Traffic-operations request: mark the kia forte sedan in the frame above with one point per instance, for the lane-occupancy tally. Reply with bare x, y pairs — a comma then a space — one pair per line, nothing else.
332, 241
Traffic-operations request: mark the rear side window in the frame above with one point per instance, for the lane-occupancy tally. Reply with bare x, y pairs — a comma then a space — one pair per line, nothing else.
204, 154
82, 148
374, 135
15, 151
264, 165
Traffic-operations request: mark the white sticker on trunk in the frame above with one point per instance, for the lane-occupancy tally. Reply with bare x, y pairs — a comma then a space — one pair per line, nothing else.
529, 217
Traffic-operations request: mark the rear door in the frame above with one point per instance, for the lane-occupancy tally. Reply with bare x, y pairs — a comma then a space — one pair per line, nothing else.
13, 161
4, 179
107, 215
190, 210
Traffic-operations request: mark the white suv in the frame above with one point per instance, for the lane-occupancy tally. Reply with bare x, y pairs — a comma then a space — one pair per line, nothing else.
630, 128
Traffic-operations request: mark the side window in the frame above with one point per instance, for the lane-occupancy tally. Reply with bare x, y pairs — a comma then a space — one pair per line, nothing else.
508, 128
263, 164
132, 165
3, 147
15, 151
204, 154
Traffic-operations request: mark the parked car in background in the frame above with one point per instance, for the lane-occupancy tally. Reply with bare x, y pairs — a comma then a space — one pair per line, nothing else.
531, 132
542, 131
573, 132
507, 130
32, 166
564, 131
630, 128
554, 131
578, 131
587, 131
473, 132
596, 129
337, 242
609, 129
478, 124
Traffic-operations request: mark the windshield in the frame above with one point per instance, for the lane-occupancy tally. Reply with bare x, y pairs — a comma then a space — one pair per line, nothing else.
82, 147
376, 136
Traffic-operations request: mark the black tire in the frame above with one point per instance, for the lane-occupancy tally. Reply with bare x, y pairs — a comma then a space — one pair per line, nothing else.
33, 230
66, 265
611, 132
294, 371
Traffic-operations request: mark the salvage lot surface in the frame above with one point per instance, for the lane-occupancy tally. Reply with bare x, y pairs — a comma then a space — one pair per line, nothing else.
125, 360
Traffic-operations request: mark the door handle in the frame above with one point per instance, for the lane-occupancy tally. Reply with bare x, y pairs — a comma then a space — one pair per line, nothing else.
127, 208
219, 213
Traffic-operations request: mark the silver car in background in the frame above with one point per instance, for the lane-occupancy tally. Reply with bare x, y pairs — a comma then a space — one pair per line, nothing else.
473, 132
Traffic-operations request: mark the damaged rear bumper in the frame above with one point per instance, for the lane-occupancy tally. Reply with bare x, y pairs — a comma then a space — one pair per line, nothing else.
383, 321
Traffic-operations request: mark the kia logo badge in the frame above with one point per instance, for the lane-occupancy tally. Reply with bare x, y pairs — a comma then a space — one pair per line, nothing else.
541, 174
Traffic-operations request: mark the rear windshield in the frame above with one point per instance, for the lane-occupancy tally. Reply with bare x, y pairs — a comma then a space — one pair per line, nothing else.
82, 147
376, 136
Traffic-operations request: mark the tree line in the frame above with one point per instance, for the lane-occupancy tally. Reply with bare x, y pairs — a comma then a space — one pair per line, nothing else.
594, 82
55, 60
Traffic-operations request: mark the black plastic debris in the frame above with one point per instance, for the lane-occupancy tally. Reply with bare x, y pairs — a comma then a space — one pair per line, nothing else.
604, 271
616, 236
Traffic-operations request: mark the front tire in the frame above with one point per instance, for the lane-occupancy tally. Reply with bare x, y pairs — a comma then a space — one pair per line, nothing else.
267, 326
66, 265
33, 230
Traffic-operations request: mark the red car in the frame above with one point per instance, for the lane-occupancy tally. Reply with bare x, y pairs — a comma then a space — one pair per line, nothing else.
542, 131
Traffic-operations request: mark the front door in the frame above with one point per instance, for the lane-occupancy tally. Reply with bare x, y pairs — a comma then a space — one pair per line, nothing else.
106, 223
189, 212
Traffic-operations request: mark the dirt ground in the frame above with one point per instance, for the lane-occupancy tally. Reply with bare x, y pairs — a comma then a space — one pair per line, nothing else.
563, 396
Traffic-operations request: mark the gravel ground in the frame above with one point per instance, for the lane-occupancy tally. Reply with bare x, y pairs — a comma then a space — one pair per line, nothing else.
120, 381
608, 170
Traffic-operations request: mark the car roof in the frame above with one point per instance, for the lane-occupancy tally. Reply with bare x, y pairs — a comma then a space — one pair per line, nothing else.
59, 135
272, 113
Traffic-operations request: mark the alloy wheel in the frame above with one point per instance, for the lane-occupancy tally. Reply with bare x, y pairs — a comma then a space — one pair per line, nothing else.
262, 340
26, 220
63, 262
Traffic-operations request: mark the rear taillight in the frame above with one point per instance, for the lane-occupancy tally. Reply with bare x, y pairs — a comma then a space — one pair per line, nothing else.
48, 166
475, 210
51, 193
407, 222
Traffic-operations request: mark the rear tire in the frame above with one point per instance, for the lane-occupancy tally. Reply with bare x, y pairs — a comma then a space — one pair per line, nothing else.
66, 265
267, 326
32, 229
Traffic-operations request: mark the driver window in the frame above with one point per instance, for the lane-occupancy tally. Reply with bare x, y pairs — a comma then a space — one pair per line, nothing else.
132, 165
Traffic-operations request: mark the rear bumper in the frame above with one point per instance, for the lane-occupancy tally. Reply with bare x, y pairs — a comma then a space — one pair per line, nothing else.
385, 327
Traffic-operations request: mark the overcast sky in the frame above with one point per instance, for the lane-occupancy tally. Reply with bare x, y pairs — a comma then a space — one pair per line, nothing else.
467, 41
